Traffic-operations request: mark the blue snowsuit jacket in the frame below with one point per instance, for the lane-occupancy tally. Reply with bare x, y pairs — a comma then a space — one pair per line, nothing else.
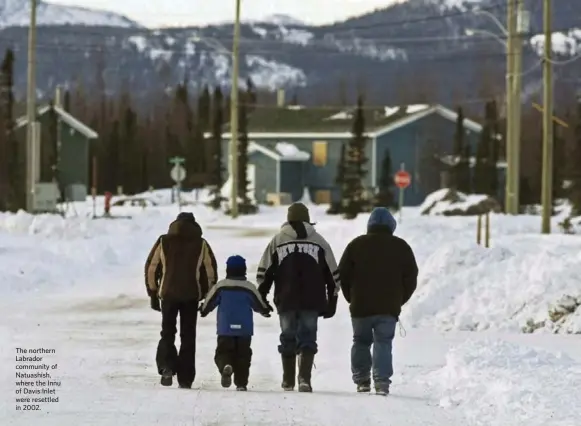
235, 299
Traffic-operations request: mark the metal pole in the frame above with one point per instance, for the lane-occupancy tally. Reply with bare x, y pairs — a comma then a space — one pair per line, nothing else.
31, 108
234, 116
511, 24
547, 183
518, 52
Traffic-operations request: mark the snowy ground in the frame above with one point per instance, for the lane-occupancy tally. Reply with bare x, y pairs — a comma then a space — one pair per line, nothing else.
75, 285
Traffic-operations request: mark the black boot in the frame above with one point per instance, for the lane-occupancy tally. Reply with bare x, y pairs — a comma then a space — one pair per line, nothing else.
166, 377
306, 361
289, 368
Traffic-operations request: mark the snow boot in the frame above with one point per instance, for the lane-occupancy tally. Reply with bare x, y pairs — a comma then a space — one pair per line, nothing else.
227, 376
166, 377
306, 361
364, 387
242, 388
289, 368
381, 390
185, 385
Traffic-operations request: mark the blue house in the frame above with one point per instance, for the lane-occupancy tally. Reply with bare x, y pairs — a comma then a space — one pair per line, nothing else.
292, 148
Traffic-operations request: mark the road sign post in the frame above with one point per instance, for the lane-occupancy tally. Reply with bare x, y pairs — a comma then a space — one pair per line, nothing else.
402, 180
178, 174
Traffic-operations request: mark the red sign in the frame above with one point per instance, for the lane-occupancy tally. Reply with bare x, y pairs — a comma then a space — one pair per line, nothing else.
402, 179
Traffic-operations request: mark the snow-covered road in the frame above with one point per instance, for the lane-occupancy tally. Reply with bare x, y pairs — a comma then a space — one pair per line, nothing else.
76, 286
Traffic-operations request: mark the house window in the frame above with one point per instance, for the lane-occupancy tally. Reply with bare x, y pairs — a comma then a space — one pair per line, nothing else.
320, 153
323, 197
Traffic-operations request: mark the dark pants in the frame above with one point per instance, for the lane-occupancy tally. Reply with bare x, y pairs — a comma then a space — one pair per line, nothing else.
298, 332
379, 331
236, 352
184, 363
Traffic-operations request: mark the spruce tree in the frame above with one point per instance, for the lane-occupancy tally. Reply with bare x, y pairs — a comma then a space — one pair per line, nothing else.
482, 171
49, 149
458, 151
130, 152
355, 165
245, 206
559, 161
15, 193
204, 110
385, 196
495, 149
217, 167
575, 168
336, 206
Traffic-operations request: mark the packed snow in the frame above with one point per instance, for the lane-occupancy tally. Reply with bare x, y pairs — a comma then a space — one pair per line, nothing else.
75, 284
288, 151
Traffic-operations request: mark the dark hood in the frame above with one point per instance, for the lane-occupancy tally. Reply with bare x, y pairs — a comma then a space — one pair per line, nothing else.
185, 228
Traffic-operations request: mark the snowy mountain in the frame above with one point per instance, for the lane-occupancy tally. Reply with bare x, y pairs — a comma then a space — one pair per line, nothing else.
280, 19
17, 13
432, 47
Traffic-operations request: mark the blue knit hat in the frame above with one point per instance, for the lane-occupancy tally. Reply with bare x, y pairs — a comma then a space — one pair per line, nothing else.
382, 216
236, 266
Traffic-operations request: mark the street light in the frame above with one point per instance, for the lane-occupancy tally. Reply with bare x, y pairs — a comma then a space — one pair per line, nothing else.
518, 24
233, 106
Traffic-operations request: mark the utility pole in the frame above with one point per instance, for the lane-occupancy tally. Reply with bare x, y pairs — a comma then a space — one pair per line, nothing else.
234, 115
547, 183
510, 119
31, 110
521, 30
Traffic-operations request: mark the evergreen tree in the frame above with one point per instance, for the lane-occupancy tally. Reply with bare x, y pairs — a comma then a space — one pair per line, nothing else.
559, 162
482, 168
495, 149
114, 178
217, 167
67, 101
245, 206
355, 165
336, 207
15, 191
130, 153
460, 169
575, 168
205, 110
464, 172
385, 196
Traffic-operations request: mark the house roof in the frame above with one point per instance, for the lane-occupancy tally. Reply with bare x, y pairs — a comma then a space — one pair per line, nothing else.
295, 121
66, 117
283, 151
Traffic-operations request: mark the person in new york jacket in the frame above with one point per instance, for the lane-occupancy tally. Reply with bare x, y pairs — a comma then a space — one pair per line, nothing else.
179, 271
302, 267
235, 298
378, 276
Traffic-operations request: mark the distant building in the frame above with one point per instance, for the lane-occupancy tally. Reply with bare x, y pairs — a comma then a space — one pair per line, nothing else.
293, 147
74, 139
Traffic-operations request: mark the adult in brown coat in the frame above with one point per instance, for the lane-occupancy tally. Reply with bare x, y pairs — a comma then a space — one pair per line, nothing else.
179, 272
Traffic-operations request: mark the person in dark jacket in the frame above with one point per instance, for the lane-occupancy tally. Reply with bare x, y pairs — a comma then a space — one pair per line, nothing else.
302, 267
179, 271
378, 276
235, 298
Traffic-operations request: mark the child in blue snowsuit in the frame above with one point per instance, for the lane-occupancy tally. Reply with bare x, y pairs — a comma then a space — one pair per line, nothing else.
235, 298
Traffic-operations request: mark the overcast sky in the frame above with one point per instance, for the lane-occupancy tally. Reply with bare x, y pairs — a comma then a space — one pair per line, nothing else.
165, 13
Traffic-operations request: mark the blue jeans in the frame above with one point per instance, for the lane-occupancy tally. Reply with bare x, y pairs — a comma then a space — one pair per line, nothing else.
378, 330
298, 332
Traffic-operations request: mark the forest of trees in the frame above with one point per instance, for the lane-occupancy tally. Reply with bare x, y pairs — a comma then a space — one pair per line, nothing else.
137, 141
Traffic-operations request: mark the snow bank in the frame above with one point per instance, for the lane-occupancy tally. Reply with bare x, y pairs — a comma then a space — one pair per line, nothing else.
512, 286
447, 202
498, 383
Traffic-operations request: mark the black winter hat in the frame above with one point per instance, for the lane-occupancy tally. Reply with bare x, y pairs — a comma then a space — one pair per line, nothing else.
186, 216
236, 266
298, 212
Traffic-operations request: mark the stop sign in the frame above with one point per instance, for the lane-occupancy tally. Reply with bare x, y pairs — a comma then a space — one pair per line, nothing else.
402, 179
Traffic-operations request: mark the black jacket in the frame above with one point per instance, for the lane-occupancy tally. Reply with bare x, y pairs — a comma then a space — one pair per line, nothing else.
378, 273
302, 267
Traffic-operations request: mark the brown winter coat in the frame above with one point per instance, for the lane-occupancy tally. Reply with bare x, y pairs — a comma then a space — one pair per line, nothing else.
181, 265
